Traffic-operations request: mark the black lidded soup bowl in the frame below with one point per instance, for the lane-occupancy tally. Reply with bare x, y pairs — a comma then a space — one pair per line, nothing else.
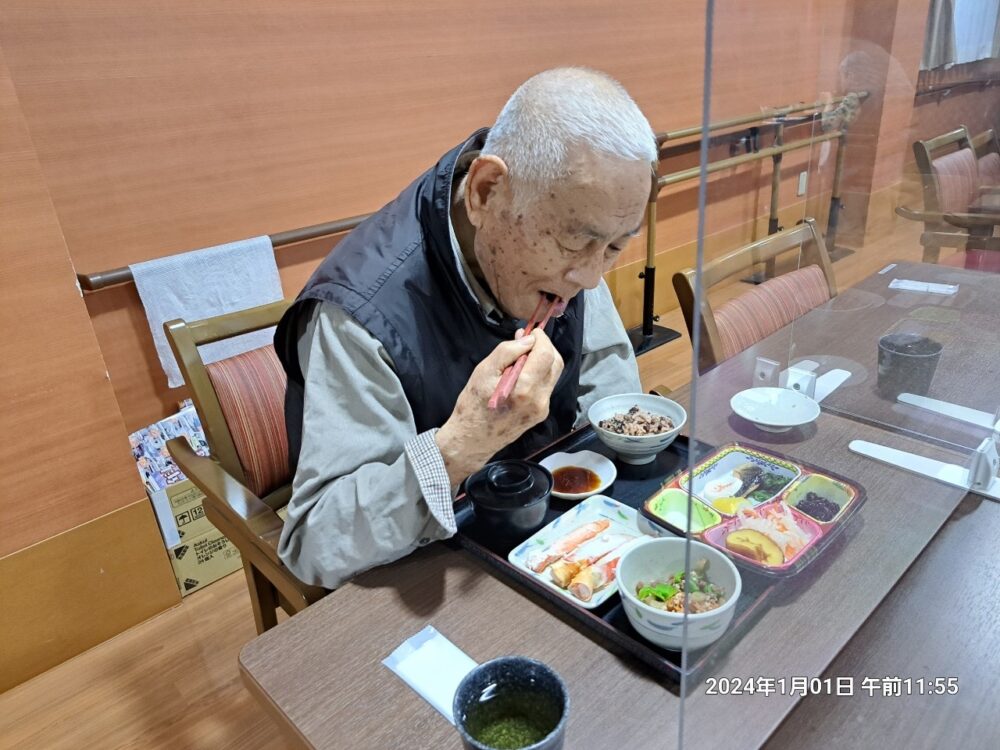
511, 497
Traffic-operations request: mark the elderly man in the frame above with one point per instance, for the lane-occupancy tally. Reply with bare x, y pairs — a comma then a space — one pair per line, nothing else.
398, 340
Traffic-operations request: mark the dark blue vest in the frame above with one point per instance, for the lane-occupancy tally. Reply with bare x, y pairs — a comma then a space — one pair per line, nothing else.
397, 275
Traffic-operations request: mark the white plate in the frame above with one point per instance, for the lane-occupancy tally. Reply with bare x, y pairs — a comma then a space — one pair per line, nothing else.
603, 466
620, 519
775, 409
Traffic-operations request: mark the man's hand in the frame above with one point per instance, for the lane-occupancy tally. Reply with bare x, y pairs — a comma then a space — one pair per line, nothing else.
473, 432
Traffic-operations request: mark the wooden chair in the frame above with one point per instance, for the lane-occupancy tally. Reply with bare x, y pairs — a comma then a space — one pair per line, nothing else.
951, 182
761, 310
987, 149
246, 480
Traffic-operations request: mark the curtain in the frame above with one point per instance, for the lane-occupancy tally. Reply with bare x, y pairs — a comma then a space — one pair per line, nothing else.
939, 39
996, 36
975, 29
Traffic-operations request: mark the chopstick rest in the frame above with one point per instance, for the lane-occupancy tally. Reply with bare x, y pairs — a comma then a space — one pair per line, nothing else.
433, 666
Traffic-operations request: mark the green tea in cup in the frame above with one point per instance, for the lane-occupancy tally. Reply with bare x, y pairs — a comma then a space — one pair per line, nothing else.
511, 703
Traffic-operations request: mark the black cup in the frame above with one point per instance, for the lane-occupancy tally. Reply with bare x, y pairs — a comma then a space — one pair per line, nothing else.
906, 364
510, 497
516, 696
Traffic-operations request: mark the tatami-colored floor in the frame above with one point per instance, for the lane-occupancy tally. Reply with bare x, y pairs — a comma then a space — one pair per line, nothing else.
173, 682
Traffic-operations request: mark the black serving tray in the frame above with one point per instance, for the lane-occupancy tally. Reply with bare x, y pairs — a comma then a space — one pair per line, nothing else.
608, 622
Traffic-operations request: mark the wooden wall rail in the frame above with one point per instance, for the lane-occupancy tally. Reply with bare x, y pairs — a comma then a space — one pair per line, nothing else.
103, 279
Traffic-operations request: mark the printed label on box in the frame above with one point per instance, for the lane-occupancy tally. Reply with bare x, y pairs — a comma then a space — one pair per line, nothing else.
200, 561
180, 513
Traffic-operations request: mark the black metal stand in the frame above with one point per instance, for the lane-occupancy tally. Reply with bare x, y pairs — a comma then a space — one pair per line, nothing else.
643, 343
835, 253
649, 336
759, 277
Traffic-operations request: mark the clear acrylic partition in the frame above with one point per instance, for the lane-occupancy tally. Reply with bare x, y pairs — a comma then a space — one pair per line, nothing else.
879, 344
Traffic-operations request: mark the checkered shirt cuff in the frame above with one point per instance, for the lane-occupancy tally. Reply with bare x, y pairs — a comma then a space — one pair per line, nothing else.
432, 476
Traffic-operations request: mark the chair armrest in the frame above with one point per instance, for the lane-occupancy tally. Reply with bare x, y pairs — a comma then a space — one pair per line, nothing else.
235, 502
969, 221
660, 390
989, 189
925, 216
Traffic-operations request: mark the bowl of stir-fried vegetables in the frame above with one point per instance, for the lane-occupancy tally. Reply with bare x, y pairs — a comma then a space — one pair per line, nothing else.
656, 592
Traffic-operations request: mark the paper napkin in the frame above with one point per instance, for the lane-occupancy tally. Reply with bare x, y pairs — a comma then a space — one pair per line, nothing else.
433, 666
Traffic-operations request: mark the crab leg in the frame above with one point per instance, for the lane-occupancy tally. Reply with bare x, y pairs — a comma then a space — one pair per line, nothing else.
539, 561
564, 570
595, 577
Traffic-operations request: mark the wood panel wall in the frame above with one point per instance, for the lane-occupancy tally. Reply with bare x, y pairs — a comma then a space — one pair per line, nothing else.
79, 588
933, 114
68, 579
64, 454
895, 134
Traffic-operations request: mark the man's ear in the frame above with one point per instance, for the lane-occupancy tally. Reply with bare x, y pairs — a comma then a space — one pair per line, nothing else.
487, 177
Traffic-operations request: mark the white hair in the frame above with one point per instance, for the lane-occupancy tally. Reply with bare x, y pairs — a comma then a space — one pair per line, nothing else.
563, 109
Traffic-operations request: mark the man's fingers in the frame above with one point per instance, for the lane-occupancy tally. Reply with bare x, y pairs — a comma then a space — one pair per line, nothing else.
537, 379
536, 369
556, 371
508, 352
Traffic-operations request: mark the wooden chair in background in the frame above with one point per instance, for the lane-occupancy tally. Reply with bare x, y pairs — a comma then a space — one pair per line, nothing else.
987, 149
761, 310
951, 185
246, 480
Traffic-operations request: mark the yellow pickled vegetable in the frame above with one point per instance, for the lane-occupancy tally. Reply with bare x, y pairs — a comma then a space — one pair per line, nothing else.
729, 505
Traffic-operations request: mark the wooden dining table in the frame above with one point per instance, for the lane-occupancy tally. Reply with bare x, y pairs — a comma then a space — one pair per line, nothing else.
320, 674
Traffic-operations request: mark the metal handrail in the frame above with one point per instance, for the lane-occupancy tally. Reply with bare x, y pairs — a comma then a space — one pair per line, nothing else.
768, 114
673, 178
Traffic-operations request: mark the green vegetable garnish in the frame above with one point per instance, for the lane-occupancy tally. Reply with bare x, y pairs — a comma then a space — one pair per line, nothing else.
663, 592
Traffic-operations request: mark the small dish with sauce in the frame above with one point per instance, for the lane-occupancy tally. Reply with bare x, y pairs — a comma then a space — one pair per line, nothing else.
579, 475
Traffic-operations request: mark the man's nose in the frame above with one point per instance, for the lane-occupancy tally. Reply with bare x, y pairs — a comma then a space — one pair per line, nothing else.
587, 272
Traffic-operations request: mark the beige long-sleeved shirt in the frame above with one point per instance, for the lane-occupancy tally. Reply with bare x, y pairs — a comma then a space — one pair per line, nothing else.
368, 488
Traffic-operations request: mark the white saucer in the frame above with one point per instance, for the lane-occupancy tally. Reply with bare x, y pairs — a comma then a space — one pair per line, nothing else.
775, 409
602, 466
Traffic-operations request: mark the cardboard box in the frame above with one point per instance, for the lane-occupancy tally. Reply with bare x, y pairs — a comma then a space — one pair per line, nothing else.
176, 501
199, 561
180, 512
198, 552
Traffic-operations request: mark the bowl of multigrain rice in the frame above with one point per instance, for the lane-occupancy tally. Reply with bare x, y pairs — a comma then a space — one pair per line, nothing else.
637, 426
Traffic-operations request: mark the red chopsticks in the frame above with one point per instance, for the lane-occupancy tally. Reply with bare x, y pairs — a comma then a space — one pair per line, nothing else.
509, 377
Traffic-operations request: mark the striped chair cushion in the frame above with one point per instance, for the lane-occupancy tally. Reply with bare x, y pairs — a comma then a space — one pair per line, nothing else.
989, 169
761, 311
957, 177
251, 391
